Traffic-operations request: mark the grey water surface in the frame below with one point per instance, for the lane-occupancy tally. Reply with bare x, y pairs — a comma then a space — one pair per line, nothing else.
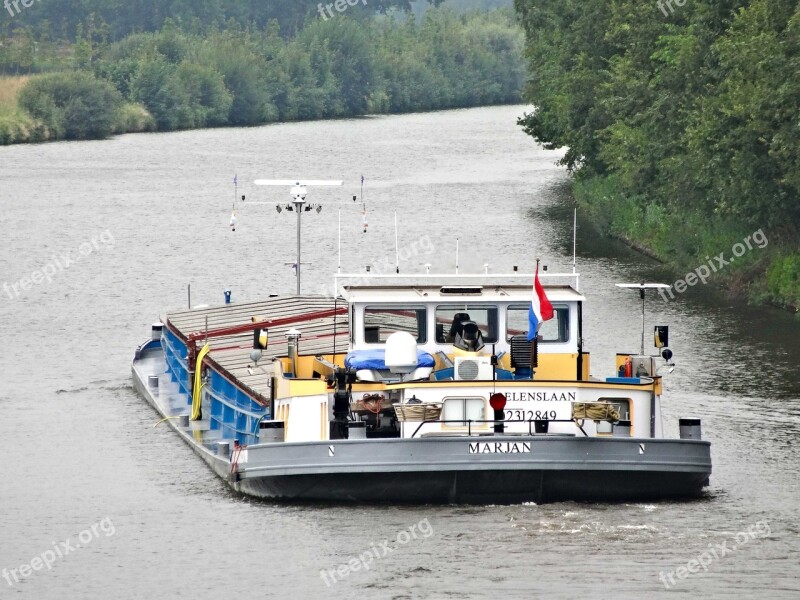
99, 239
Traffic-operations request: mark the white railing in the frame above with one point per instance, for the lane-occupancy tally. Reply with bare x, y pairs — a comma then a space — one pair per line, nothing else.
571, 279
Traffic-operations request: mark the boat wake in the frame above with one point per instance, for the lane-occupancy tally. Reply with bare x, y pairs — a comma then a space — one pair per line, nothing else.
101, 384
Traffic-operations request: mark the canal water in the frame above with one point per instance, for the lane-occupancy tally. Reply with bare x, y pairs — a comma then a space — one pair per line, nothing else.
99, 239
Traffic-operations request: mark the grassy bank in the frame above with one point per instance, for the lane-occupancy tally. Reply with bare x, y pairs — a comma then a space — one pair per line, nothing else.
17, 126
762, 265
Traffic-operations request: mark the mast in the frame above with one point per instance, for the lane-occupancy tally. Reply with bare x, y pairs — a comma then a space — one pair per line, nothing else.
298, 204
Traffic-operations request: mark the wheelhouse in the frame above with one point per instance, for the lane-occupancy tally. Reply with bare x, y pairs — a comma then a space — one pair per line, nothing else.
448, 321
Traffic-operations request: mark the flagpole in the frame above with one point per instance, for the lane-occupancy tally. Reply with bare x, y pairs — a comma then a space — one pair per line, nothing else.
396, 246
574, 238
641, 293
235, 195
363, 205
535, 291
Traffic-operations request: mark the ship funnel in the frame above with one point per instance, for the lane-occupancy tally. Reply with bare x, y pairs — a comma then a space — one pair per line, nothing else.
293, 347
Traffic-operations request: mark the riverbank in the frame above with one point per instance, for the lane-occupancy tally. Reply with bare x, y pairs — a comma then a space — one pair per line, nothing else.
177, 78
762, 266
18, 126
682, 142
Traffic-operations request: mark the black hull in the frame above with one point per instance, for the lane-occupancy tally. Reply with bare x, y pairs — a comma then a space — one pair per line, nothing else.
479, 487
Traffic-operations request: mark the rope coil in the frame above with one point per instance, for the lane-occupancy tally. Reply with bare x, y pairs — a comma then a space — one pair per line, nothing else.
373, 402
595, 411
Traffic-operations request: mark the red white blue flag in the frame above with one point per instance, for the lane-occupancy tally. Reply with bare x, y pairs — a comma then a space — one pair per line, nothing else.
541, 310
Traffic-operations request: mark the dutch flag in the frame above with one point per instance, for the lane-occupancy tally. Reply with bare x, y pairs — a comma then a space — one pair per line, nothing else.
541, 310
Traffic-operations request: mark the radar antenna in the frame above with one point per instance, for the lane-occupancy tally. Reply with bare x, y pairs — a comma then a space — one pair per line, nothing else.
298, 204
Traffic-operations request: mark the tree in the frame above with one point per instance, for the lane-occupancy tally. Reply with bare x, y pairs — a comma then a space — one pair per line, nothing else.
157, 86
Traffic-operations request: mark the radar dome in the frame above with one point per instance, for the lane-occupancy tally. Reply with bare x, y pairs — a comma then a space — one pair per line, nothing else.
401, 352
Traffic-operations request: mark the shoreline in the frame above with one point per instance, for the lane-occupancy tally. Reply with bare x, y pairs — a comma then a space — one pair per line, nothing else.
30, 130
763, 276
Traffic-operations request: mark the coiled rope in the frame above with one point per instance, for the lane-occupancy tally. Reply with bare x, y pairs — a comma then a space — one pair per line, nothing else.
595, 411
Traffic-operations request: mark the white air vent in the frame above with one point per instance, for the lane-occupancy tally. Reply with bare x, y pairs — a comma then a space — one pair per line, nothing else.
469, 368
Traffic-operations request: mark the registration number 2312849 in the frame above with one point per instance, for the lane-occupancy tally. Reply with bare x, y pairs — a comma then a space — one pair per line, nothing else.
529, 415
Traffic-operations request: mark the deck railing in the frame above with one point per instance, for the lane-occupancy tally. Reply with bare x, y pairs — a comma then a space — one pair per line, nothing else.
469, 422
570, 279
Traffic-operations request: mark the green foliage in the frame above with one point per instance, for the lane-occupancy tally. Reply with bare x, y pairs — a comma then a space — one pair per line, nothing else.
783, 281
449, 60
133, 118
198, 72
110, 20
348, 59
209, 99
688, 119
333, 68
72, 105
696, 106
243, 70
21, 128
157, 86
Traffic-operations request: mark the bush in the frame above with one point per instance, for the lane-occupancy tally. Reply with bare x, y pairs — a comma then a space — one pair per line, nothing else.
133, 118
783, 281
72, 105
22, 130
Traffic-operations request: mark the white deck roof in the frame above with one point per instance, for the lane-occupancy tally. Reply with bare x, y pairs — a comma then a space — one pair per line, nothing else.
415, 294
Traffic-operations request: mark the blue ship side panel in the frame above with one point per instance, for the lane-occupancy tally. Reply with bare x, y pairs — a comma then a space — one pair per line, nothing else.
176, 353
233, 412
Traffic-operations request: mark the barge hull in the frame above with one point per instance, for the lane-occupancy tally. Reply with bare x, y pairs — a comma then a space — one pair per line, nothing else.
440, 470
478, 487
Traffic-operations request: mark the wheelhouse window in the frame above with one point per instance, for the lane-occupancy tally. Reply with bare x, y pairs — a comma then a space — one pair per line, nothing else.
381, 322
451, 317
463, 409
554, 331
